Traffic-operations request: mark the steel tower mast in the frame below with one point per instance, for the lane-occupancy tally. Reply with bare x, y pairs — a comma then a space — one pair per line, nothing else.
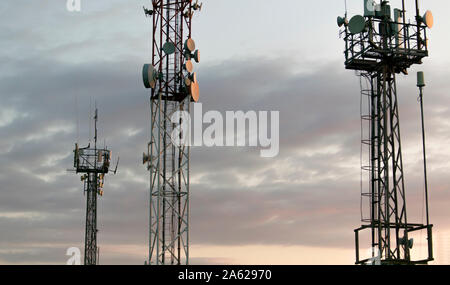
381, 45
94, 164
173, 87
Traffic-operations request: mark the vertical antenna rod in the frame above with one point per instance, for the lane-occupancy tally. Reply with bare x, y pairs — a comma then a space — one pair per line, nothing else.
421, 85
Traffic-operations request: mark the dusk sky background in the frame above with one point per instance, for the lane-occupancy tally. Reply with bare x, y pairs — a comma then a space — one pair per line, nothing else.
298, 208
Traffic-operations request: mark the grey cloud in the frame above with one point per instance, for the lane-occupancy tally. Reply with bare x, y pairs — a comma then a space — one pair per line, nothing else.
303, 197
307, 196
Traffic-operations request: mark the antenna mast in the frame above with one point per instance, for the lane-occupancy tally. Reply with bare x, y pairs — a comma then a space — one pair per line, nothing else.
94, 164
381, 45
173, 87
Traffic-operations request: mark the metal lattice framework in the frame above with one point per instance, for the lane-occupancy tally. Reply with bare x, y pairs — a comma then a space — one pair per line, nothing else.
383, 48
94, 163
168, 162
90, 245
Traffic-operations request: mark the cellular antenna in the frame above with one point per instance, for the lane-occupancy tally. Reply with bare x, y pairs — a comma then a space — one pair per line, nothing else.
93, 164
174, 86
379, 45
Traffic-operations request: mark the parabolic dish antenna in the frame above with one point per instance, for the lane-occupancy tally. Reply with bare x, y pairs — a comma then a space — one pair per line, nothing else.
168, 48
357, 24
189, 45
197, 56
342, 21
195, 91
149, 75
428, 19
189, 66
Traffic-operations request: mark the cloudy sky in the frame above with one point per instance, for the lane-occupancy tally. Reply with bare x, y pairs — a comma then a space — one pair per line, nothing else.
298, 208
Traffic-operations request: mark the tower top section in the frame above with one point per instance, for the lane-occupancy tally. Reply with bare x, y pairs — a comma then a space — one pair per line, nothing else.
92, 159
383, 35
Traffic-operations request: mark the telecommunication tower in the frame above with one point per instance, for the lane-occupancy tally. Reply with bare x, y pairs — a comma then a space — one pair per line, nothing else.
174, 86
380, 45
94, 164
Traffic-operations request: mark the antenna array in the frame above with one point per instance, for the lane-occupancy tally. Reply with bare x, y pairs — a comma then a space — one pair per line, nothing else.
380, 45
174, 86
94, 164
